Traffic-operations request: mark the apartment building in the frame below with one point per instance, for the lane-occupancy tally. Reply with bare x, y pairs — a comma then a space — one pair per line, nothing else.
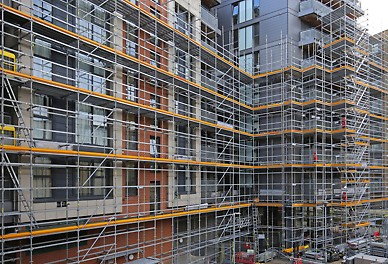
186, 131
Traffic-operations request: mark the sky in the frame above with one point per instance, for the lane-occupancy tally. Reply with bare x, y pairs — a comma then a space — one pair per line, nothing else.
377, 14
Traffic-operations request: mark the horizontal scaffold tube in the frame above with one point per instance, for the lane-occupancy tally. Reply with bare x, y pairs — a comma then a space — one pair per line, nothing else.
60, 152
124, 221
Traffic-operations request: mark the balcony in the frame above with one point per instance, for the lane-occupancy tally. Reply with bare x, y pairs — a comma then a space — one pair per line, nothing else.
210, 3
354, 7
311, 37
310, 10
209, 20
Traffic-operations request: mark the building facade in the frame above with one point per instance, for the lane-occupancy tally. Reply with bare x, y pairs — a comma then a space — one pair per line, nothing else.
188, 132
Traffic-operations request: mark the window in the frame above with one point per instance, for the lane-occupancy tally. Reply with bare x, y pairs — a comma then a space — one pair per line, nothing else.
246, 63
43, 10
155, 146
91, 74
245, 37
242, 11
42, 178
42, 67
91, 125
92, 179
92, 20
181, 103
155, 12
131, 87
235, 14
131, 43
152, 58
41, 120
182, 140
91, 82
42, 48
132, 138
185, 181
183, 19
131, 180
181, 65
256, 35
99, 129
155, 58
375, 48
155, 100
256, 8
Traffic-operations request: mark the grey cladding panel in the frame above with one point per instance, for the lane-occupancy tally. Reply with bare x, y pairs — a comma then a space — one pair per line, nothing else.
269, 6
273, 29
295, 27
293, 5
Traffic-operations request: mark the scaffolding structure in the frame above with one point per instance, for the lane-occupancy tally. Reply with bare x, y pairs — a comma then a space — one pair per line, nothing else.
130, 133
324, 135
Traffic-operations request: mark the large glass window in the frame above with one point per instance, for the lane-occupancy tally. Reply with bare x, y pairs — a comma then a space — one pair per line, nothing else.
246, 63
91, 82
91, 125
42, 122
243, 11
92, 22
42, 66
92, 179
43, 10
91, 74
245, 36
42, 178
131, 87
42, 48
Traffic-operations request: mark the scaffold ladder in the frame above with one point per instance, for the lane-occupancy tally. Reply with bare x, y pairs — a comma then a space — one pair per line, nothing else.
19, 190
256, 228
358, 144
18, 112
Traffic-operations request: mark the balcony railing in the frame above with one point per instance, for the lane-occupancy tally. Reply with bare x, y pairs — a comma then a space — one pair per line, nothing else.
311, 36
313, 7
